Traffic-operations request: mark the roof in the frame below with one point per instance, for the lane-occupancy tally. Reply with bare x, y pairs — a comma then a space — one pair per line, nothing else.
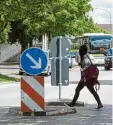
107, 27
93, 34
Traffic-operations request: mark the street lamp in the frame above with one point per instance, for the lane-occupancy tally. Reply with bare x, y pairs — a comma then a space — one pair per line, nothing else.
110, 26
106, 11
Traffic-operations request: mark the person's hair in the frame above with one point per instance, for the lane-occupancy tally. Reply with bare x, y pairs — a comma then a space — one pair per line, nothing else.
82, 52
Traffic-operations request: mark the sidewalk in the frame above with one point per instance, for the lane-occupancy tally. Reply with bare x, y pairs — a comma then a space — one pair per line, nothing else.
9, 66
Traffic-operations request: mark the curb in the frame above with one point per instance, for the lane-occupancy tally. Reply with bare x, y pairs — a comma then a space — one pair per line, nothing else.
49, 111
11, 82
62, 101
102, 82
63, 110
52, 108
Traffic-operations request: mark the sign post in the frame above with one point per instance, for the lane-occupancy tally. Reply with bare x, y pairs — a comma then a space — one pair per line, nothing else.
59, 47
60, 67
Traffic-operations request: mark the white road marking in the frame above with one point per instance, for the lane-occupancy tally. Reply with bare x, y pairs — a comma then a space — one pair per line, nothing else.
37, 65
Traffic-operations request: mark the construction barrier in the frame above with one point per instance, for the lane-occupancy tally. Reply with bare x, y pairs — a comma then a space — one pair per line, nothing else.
32, 94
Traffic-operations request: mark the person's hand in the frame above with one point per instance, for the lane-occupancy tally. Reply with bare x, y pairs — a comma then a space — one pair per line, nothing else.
84, 79
82, 73
81, 69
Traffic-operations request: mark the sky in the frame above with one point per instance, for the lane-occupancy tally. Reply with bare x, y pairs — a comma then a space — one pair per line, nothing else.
103, 11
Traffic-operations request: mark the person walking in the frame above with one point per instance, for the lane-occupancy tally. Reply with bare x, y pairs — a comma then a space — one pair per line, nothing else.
85, 62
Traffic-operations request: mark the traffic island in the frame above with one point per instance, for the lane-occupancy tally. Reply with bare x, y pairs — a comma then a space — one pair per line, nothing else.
49, 111
52, 108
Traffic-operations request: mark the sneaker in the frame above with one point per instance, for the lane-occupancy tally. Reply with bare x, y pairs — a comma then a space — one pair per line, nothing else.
99, 106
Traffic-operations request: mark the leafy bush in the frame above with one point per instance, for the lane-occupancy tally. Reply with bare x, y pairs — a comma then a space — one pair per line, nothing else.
76, 46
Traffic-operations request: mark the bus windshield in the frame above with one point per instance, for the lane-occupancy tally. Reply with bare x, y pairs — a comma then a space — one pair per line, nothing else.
97, 42
110, 52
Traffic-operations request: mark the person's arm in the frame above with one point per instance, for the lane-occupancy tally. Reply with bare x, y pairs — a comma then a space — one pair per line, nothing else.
87, 63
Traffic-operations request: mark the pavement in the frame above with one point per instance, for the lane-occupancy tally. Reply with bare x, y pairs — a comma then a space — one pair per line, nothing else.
53, 107
86, 115
9, 66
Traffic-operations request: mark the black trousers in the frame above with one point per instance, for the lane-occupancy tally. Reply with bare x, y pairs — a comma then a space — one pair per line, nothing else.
90, 87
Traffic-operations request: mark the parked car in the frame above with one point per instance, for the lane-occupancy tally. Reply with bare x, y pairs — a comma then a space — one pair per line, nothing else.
70, 60
21, 71
73, 54
108, 59
47, 70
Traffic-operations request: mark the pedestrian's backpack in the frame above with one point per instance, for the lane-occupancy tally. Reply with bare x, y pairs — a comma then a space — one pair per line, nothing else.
92, 73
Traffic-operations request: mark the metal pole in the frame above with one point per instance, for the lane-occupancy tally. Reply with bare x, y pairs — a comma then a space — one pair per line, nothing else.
60, 66
109, 16
108, 12
43, 42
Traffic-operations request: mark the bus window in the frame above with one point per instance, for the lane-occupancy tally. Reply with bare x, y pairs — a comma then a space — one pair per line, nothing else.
95, 42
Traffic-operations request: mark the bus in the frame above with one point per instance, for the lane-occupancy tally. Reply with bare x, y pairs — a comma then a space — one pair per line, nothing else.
97, 44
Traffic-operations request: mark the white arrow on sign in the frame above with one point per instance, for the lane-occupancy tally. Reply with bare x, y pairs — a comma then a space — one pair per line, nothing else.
37, 65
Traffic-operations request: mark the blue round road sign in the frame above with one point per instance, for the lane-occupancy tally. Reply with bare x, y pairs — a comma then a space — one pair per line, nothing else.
33, 61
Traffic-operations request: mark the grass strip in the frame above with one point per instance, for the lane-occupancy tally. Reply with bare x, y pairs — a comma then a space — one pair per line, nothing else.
5, 78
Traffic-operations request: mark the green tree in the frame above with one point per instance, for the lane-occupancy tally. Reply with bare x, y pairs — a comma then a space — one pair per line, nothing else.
24, 20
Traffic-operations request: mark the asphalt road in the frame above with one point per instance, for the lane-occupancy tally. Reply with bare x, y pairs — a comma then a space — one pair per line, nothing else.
105, 79
74, 73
